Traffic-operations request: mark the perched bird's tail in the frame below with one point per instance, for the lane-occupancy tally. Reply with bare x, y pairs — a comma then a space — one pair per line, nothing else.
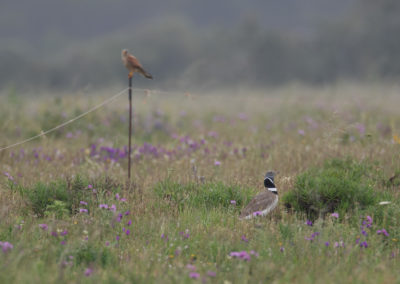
146, 74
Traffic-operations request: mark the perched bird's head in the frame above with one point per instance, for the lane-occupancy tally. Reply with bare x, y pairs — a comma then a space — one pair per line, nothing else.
124, 52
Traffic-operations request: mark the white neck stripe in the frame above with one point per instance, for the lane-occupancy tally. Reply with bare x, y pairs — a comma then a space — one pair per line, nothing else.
272, 189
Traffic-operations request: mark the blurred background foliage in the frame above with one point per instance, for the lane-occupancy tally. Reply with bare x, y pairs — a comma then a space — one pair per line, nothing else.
203, 45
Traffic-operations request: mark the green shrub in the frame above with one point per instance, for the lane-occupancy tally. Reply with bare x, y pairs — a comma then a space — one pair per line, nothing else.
41, 196
340, 185
208, 195
58, 198
63, 196
57, 209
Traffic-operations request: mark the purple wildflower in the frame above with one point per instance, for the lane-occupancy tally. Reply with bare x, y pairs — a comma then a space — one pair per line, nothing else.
312, 237
311, 122
244, 255
119, 218
105, 206
43, 226
364, 244
369, 219
129, 222
113, 208
83, 210
252, 252
54, 234
364, 233
383, 232
217, 163
242, 116
212, 134
117, 238
63, 242
177, 252
244, 239
282, 249
88, 272
301, 132
361, 128
6, 246
128, 232
191, 267
64, 233
117, 196
107, 243
211, 273
90, 186
335, 215
309, 223
127, 213
339, 244
10, 177
241, 254
83, 203
327, 244
194, 275
257, 213
233, 202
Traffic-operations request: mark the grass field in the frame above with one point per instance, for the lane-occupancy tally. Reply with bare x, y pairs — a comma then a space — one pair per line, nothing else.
69, 215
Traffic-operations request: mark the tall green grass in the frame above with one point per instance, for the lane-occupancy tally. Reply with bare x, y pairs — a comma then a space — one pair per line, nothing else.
339, 185
202, 195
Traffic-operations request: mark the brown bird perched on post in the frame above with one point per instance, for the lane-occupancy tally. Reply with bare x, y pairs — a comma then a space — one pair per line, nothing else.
133, 65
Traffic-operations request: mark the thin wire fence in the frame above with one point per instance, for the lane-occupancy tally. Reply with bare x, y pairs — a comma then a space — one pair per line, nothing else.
107, 101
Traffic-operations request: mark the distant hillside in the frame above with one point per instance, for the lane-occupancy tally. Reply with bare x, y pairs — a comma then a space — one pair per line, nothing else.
34, 20
207, 44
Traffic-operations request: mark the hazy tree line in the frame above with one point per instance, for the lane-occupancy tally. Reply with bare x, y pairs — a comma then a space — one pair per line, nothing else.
364, 45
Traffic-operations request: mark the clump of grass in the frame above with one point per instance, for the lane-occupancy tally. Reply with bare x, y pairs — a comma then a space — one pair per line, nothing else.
62, 197
340, 185
88, 254
208, 195
57, 209
56, 198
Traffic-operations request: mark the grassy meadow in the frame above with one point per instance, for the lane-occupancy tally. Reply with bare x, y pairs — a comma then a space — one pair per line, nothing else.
69, 215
